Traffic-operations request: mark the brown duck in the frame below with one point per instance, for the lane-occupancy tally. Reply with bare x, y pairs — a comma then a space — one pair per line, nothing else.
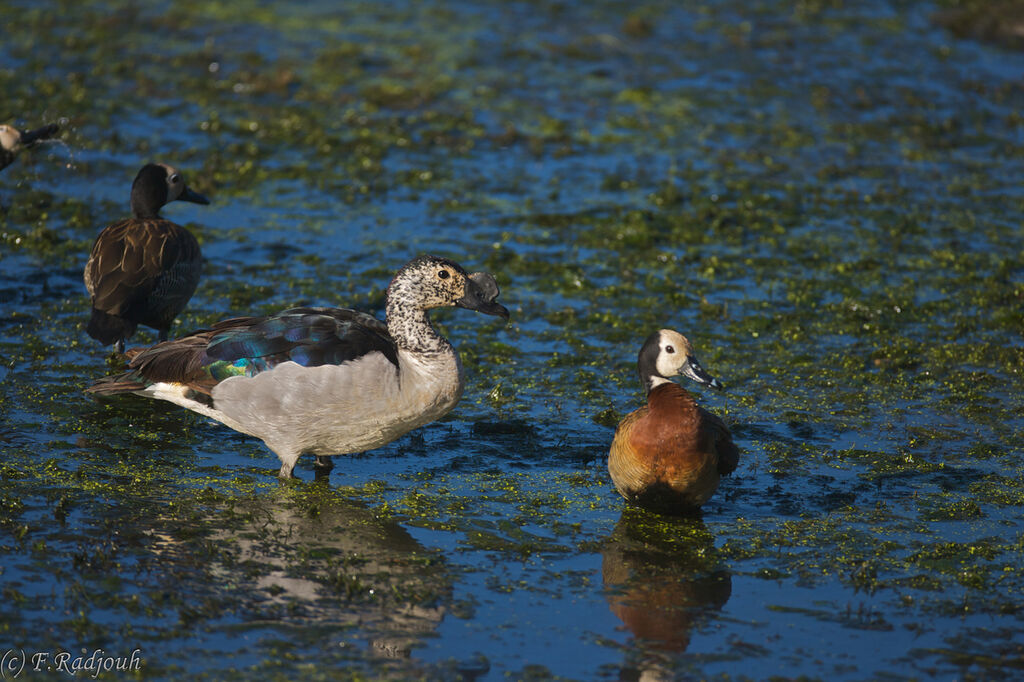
670, 454
144, 269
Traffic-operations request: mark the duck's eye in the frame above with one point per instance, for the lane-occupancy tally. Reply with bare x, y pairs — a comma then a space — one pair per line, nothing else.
444, 274
174, 179
670, 349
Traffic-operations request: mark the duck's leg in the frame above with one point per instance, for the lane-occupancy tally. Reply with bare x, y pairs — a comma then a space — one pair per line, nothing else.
322, 468
288, 461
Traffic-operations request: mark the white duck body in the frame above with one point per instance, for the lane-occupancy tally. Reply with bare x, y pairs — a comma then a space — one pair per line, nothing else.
353, 407
358, 406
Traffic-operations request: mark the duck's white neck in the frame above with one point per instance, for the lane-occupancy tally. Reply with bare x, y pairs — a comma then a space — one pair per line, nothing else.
653, 381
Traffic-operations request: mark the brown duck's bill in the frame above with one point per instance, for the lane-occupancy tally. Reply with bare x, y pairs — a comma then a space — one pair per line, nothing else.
481, 292
693, 370
46, 132
195, 197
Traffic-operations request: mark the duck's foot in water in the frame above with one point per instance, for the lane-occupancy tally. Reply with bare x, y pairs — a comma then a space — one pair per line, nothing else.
322, 468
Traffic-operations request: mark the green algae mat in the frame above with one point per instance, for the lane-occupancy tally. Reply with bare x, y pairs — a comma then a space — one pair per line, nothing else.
825, 196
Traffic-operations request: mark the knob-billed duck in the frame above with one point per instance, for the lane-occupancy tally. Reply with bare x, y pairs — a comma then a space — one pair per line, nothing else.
321, 381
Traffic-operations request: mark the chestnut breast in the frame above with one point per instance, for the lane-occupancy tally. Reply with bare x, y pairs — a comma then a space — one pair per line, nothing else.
665, 454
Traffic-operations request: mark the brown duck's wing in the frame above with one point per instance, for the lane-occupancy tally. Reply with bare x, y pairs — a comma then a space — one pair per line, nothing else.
728, 453
131, 257
629, 473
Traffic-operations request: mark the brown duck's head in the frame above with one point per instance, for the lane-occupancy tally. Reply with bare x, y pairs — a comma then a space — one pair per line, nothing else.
668, 353
10, 138
158, 184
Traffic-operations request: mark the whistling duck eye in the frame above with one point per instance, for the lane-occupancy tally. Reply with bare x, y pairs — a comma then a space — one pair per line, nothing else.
174, 179
670, 349
444, 274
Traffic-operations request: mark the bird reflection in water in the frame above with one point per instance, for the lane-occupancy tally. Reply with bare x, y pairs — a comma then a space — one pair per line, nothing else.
662, 578
311, 557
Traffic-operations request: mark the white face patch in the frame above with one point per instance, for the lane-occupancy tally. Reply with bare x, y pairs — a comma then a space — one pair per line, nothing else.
10, 138
675, 352
175, 183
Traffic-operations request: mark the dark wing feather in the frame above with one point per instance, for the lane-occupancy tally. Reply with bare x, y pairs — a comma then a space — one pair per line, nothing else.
176, 361
309, 336
728, 453
250, 345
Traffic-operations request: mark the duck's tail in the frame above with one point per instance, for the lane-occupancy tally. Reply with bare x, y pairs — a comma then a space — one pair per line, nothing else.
129, 382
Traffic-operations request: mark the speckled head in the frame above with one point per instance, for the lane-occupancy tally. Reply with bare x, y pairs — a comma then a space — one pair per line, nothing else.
668, 353
428, 282
158, 184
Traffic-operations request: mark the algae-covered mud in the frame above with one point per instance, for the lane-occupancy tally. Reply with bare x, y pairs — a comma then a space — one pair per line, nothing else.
826, 197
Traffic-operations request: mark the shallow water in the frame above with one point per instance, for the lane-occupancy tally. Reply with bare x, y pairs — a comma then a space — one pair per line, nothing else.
826, 197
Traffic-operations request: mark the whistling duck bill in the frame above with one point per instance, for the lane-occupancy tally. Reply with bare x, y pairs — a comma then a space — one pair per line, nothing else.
693, 369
